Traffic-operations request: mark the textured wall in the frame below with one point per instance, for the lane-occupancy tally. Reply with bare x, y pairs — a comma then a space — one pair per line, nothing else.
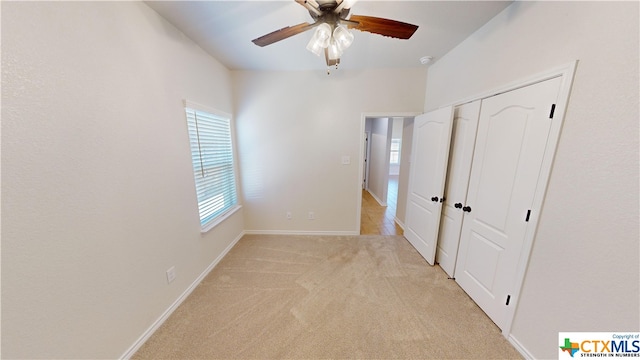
98, 198
583, 273
294, 128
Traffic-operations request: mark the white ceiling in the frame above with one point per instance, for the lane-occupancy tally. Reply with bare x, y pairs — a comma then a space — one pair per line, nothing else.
225, 29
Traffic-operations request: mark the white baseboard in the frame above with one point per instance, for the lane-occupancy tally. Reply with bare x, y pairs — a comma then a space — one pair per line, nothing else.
147, 334
300, 232
518, 346
399, 222
382, 203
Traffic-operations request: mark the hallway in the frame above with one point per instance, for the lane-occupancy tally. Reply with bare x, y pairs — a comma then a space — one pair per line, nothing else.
376, 219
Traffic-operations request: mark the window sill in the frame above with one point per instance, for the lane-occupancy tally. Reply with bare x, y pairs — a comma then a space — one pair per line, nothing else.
205, 229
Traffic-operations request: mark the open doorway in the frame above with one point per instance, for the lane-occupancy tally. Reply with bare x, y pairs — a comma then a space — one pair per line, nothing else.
387, 145
395, 156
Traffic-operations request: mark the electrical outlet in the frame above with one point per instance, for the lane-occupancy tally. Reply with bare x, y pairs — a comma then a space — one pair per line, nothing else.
171, 274
311, 216
289, 215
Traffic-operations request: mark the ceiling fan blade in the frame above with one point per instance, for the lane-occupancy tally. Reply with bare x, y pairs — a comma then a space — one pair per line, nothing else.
385, 27
282, 34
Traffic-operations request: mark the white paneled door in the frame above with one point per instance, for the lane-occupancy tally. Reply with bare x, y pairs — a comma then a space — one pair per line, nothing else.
429, 156
513, 132
465, 124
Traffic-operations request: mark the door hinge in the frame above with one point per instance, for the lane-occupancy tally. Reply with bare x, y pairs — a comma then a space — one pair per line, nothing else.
553, 109
508, 299
528, 215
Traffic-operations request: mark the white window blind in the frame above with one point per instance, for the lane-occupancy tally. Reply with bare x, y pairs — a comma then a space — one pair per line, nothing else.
213, 166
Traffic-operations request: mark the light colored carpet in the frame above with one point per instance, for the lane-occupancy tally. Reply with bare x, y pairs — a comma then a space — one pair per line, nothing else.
320, 297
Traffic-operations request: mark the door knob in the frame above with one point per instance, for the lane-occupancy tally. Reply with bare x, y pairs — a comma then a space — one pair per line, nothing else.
458, 205
466, 209
435, 198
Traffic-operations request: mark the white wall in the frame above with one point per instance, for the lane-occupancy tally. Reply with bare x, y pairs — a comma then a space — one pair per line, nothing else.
405, 166
97, 185
583, 272
294, 128
379, 159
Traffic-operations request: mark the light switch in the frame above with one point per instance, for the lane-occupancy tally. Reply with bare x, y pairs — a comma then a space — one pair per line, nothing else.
346, 160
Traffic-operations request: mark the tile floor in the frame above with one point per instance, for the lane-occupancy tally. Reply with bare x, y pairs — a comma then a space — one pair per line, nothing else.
376, 219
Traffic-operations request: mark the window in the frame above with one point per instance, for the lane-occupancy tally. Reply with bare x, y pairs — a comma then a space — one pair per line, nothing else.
213, 165
395, 151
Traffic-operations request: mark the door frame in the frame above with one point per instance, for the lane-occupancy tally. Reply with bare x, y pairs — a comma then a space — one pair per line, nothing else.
366, 153
567, 73
363, 119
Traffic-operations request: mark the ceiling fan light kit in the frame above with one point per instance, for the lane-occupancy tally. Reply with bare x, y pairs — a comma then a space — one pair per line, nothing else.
336, 43
334, 51
332, 35
320, 39
343, 37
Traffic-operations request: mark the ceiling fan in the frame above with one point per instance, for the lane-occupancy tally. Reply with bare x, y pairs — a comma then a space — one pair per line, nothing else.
332, 35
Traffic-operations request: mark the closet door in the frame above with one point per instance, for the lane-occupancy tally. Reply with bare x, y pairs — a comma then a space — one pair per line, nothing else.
429, 156
463, 139
513, 131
